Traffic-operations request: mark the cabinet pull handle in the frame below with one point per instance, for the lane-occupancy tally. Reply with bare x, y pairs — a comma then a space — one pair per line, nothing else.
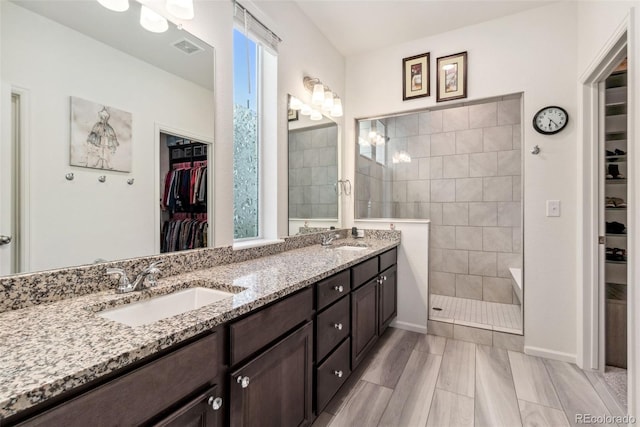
215, 403
339, 288
243, 381
338, 326
384, 278
337, 374
379, 281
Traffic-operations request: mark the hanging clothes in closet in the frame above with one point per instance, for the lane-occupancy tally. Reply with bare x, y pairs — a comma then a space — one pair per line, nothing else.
183, 234
185, 188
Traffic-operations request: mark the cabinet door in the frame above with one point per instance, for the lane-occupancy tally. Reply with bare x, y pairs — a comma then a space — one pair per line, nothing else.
364, 320
206, 410
388, 298
275, 388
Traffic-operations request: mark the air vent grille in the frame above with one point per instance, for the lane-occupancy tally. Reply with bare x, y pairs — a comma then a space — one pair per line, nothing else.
187, 46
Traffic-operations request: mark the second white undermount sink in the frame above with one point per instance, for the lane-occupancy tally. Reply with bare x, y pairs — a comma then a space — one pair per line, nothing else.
162, 307
351, 248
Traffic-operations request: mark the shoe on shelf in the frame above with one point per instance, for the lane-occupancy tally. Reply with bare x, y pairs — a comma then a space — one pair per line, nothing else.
609, 153
618, 202
618, 152
609, 203
614, 172
615, 227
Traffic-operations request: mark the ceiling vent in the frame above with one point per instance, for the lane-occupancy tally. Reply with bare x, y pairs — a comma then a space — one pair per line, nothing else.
187, 46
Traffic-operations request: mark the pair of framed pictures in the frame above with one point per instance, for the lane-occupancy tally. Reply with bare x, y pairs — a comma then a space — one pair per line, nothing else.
451, 77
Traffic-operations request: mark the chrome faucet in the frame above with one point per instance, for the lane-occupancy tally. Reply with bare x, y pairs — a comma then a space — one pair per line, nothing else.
148, 274
327, 240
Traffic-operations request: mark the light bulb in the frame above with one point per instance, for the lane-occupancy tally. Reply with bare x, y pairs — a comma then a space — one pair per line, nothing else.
305, 110
151, 21
336, 111
317, 98
315, 115
115, 5
327, 105
295, 103
182, 9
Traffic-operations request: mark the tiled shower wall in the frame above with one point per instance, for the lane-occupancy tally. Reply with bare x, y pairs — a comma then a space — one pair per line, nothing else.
313, 172
465, 176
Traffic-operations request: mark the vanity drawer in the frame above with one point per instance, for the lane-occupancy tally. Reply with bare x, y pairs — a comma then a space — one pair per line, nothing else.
332, 374
141, 394
332, 326
332, 288
255, 331
363, 272
388, 258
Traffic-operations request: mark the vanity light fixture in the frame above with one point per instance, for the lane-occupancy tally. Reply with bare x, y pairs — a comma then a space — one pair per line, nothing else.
323, 97
401, 157
115, 5
152, 21
182, 9
295, 103
306, 110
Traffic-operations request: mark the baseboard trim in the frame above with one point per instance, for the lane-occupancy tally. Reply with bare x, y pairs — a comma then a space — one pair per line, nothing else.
422, 329
550, 354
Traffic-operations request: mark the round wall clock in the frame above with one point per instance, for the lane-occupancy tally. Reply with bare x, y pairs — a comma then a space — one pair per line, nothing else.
550, 120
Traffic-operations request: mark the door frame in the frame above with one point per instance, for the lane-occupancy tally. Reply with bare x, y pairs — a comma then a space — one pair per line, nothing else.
590, 336
15, 180
209, 140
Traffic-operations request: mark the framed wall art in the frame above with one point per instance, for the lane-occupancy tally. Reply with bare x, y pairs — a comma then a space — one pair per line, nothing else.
100, 136
415, 76
292, 114
452, 77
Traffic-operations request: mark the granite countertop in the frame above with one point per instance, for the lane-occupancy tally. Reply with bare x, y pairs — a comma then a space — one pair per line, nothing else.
51, 348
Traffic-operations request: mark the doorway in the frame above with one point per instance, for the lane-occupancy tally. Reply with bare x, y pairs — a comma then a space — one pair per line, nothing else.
185, 187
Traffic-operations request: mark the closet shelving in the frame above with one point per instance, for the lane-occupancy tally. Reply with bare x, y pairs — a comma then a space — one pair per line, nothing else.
184, 214
615, 171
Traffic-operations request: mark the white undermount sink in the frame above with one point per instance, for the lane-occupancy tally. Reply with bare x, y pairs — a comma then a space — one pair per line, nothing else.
351, 248
157, 308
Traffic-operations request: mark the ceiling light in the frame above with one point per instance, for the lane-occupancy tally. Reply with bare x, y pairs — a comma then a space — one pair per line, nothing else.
305, 110
115, 5
182, 9
151, 21
315, 115
317, 98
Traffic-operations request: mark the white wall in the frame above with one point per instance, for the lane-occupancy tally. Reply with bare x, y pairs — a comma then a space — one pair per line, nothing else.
507, 55
76, 222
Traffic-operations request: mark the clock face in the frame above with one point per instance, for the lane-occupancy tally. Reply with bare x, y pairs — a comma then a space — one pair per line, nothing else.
550, 120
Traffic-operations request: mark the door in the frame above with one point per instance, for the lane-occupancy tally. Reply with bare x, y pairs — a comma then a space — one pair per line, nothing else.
9, 188
388, 298
206, 410
364, 320
275, 388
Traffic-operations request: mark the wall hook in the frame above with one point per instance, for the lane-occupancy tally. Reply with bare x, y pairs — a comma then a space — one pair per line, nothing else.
130, 181
69, 176
102, 178
535, 150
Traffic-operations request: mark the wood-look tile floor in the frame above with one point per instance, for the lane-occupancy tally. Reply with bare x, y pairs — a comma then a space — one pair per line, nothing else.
410, 379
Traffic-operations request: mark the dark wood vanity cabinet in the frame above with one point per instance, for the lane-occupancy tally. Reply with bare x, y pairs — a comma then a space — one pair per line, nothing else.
364, 320
179, 388
387, 298
274, 385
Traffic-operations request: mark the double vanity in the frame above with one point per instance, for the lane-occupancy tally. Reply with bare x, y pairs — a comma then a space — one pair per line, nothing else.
271, 343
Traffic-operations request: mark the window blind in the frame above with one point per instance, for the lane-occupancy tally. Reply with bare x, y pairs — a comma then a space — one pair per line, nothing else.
252, 26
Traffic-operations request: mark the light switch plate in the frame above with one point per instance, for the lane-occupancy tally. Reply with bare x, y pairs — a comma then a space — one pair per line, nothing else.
553, 207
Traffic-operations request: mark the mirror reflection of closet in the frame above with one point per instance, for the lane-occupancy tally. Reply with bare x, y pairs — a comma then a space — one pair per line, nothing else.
184, 191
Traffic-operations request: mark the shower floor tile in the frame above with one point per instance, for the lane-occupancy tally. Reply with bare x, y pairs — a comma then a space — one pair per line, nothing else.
475, 313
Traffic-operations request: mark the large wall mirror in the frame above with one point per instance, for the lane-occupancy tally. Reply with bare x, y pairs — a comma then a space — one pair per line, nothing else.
60, 61
313, 173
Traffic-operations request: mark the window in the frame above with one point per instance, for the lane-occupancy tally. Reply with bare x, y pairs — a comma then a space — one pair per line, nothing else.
372, 138
254, 128
246, 150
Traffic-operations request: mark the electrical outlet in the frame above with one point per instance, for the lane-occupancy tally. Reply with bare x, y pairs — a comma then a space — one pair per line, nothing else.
553, 207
